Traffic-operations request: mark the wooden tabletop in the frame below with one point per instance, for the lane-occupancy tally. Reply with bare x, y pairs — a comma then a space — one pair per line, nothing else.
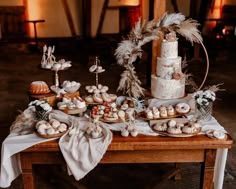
142, 142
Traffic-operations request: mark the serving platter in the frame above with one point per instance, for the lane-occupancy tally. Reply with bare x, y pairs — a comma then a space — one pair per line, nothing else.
51, 136
141, 115
184, 121
74, 110
113, 121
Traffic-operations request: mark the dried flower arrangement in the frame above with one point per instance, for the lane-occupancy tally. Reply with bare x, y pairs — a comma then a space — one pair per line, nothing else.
204, 101
40, 109
130, 49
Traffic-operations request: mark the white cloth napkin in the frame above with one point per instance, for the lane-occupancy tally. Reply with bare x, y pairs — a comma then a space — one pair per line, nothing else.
82, 153
10, 166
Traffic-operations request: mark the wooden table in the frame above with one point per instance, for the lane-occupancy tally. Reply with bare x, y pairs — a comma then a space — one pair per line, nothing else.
141, 149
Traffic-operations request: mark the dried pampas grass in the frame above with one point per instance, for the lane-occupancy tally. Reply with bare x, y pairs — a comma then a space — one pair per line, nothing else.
188, 29
130, 49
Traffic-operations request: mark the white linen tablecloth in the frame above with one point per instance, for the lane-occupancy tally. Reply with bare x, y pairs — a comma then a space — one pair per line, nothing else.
10, 166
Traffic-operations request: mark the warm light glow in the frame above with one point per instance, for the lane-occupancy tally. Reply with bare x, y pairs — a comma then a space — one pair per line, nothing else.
217, 9
34, 13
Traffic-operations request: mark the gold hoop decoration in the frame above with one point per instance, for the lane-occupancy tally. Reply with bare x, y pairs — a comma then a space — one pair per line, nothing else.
207, 61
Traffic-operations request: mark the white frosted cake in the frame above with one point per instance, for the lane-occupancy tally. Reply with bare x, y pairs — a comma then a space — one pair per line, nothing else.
169, 81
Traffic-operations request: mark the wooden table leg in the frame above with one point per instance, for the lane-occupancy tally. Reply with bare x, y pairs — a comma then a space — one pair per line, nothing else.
207, 170
27, 171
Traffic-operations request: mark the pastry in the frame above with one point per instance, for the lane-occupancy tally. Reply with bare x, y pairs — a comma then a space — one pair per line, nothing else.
89, 99
113, 97
124, 133
156, 113
62, 127
170, 110
189, 129
163, 112
39, 87
182, 108
97, 98
171, 123
149, 113
160, 127
174, 130
79, 102
106, 97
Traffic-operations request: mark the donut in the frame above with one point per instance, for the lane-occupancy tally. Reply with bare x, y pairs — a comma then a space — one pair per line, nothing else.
97, 98
182, 108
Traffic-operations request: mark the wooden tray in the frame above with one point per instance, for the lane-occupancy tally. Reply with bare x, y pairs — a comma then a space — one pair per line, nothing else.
74, 110
142, 116
112, 121
51, 136
182, 135
178, 120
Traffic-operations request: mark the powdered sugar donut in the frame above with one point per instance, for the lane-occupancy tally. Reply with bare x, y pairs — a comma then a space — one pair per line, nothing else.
174, 130
158, 127
182, 108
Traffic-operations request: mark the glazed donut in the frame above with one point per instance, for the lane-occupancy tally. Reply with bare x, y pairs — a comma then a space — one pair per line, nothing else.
97, 98
182, 108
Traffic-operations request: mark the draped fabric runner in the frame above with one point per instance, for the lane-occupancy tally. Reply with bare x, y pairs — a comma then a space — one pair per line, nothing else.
81, 153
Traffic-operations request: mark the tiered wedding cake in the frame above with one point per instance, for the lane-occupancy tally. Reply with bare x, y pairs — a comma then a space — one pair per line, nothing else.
169, 81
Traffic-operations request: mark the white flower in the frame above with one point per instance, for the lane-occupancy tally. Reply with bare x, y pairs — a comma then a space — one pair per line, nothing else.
199, 101
46, 107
